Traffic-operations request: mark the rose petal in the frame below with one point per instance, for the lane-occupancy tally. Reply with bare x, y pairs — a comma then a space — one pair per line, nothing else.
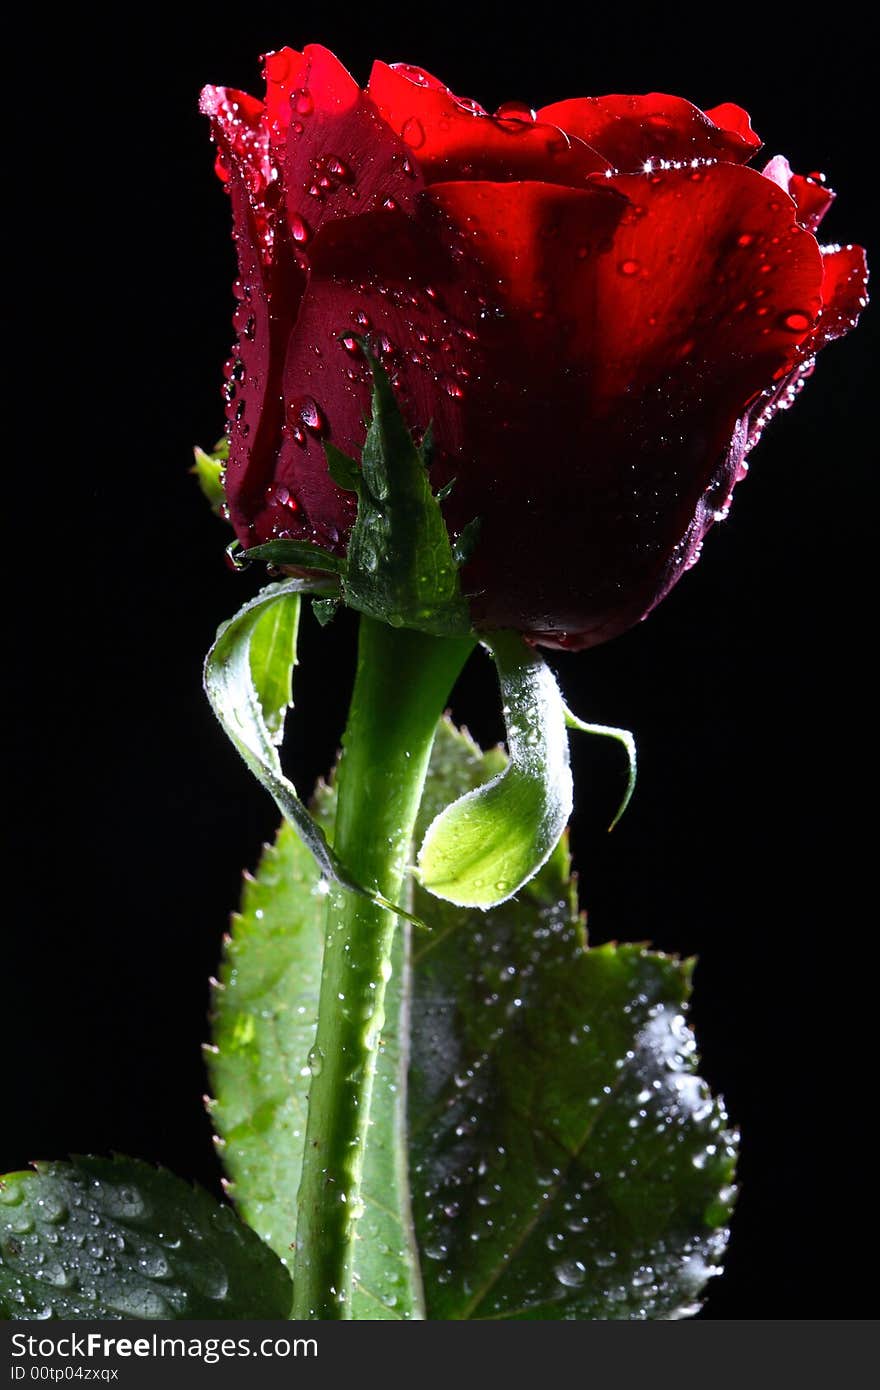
238, 131
650, 348
285, 71
810, 196
630, 131
456, 139
844, 293
253, 389
733, 119
342, 159
374, 276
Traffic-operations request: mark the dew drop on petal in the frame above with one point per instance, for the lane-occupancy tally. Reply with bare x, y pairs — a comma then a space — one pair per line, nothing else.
299, 230
307, 411
413, 133
796, 321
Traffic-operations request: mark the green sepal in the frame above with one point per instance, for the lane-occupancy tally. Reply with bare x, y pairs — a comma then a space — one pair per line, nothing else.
400, 566
626, 740
99, 1238
343, 470
484, 847
300, 554
465, 542
209, 470
247, 677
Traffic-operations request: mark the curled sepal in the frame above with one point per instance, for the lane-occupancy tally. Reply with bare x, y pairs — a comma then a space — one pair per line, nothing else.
485, 846
622, 736
248, 675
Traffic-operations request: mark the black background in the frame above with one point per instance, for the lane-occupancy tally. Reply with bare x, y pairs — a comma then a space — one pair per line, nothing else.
130, 814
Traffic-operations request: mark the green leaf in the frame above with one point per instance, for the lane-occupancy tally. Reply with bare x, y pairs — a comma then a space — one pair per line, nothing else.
400, 565
264, 1017
517, 1031
115, 1238
300, 554
567, 1162
483, 848
209, 470
247, 677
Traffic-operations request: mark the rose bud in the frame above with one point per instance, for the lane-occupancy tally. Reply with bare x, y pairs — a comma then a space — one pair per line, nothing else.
597, 306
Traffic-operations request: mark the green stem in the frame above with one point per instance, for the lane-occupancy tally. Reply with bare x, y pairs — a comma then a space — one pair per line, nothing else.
402, 684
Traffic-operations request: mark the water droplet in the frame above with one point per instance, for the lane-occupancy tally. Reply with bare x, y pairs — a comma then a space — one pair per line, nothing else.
300, 230
303, 102
746, 239
306, 410
139, 1303
154, 1266
796, 321
570, 1273
52, 1208
629, 267
516, 112
413, 133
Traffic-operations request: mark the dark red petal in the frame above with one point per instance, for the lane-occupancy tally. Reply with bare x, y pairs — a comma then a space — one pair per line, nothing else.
456, 139
265, 285
632, 130
810, 195
342, 160
638, 374
732, 118
389, 278
844, 293
239, 131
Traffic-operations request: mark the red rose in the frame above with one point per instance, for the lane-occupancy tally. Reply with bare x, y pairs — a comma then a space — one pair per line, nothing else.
597, 305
